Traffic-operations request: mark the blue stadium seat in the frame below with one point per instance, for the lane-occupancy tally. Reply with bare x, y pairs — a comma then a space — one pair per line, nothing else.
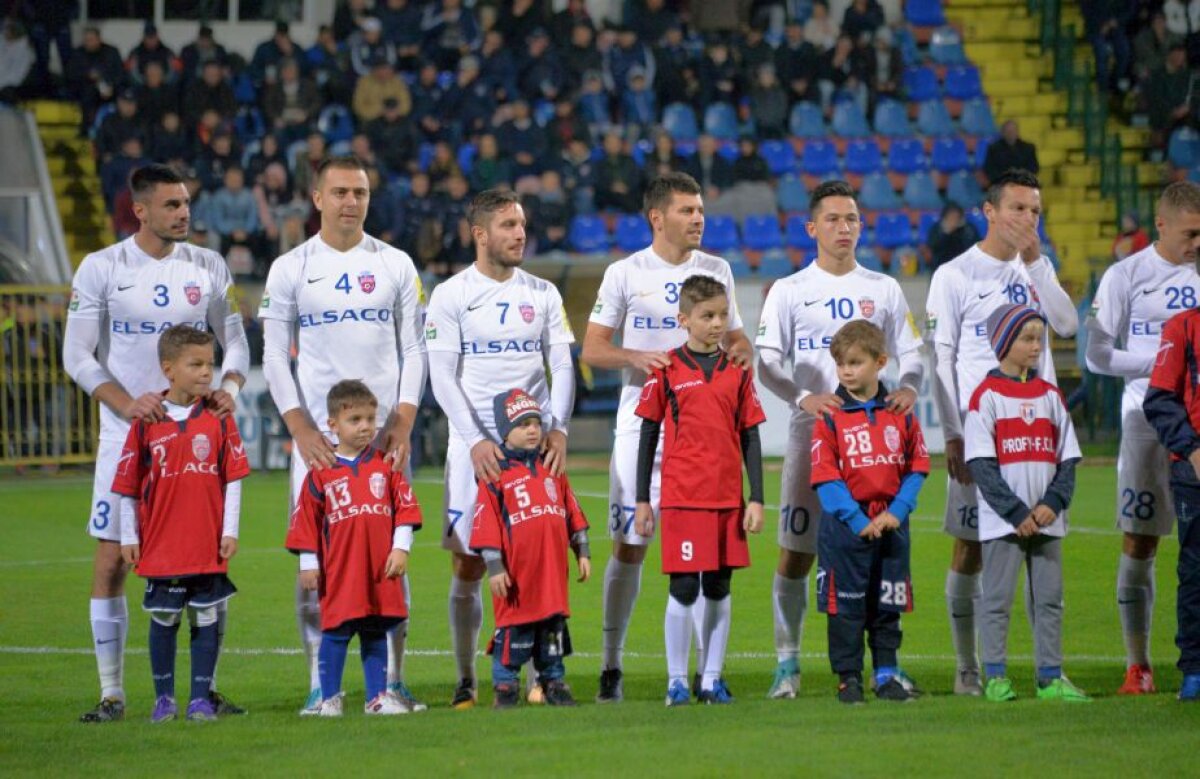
921, 84
962, 82
728, 150
921, 192
891, 119
868, 258
720, 121
945, 47
820, 158
925, 223
721, 233
1183, 150
807, 121
934, 119
775, 265
893, 230
445, 79
796, 233
849, 121
981, 147
738, 264
792, 196
863, 157
336, 123
977, 117
338, 149
907, 155
640, 149
924, 13
685, 148
679, 120
761, 233
249, 125
978, 221
244, 91
906, 42
587, 234
466, 157
543, 112
632, 233
780, 156
949, 155
964, 190
877, 194
425, 155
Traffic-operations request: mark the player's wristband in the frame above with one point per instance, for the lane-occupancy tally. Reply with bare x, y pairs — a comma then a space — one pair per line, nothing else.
232, 387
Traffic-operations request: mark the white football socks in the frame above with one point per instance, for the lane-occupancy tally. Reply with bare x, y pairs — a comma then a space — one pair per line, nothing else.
110, 625
962, 598
308, 618
698, 610
677, 629
622, 581
466, 618
790, 597
1135, 602
717, 620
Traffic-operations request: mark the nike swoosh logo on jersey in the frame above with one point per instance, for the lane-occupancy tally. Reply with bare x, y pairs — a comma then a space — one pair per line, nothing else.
475, 307
314, 281
1149, 291
983, 295
647, 293
127, 286
812, 302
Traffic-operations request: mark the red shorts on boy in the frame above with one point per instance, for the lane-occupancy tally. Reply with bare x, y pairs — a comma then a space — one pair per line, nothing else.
698, 540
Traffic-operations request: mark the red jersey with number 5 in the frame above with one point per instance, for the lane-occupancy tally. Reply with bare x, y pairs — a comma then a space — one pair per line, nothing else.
348, 515
177, 471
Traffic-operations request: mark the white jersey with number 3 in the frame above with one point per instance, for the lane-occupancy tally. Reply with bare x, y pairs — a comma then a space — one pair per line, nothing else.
640, 297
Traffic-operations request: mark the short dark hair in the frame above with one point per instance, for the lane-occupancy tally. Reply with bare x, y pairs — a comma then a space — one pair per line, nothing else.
348, 393
661, 188
344, 162
177, 338
833, 188
697, 289
1013, 177
484, 206
1180, 196
143, 180
860, 333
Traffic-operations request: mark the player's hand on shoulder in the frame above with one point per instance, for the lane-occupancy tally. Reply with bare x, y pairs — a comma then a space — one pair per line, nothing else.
741, 353
397, 564
901, 400
821, 404
315, 449
648, 362
585, 569
955, 462
148, 408
310, 580
752, 522
397, 446
1043, 515
131, 553
499, 584
486, 458
221, 403
554, 452
643, 520
229, 547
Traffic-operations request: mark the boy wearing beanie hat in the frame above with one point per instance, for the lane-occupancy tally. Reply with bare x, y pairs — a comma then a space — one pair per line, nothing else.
524, 523
1021, 450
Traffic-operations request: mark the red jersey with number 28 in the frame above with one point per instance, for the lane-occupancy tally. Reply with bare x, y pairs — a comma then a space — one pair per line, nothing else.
348, 515
703, 418
178, 472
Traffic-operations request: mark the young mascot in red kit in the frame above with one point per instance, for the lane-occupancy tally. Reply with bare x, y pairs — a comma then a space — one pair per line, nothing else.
524, 523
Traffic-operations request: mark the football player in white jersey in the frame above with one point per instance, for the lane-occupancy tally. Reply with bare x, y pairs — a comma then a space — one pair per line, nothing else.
1135, 299
352, 306
491, 327
639, 297
800, 316
122, 298
1006, 267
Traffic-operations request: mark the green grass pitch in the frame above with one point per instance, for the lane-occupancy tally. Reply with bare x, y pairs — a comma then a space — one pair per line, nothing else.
48, 676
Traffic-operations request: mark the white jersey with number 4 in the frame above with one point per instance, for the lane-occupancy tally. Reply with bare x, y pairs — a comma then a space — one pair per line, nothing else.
355, 312
640, 297
135, 297
503, 330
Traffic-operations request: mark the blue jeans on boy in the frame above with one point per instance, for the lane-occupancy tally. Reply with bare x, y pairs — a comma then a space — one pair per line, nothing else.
546, 643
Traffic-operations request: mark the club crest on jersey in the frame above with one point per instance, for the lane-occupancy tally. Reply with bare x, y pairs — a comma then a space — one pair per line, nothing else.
378, 484
201, 448
867, 307
526, 312
366, 281
192, 291
891, 437
1028, 413
551, 490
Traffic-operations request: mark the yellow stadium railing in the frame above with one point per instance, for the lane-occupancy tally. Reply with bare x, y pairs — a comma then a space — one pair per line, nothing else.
45, 419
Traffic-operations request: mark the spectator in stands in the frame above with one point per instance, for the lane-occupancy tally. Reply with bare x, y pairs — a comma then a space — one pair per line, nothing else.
541, 73
198, 52
254, 330
594, 102
883, 67
580, 55
718, 76
639, 109
565, 126
497, 68
394, 136
114, 173
820, 31
862, 18
348, 15
839, 77
950, 237
149, 49
119, 126
361, 150
1104, 24
753, 52
491, 168
671, 58
281, 211
750, 166
16, 61
211, 93
798, 63
443, 166
125, 223
156, 96
549, 213
520, 18
169, 144
1009, 151
93, 73
427, 96
381, 207
417, 223
264, 67
628, 53
1132, 238
329, 65
663, 158
618, 180
578, 173
1168, 95
450, 32
291, 103
367, 47
652, 20
401, 21
523, 140
468, 102
1151, 45
216, 158
769, 104
707, 166
233, 213
458, 249
269, 153
562, 24
371, 90
304, 165
49, 23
